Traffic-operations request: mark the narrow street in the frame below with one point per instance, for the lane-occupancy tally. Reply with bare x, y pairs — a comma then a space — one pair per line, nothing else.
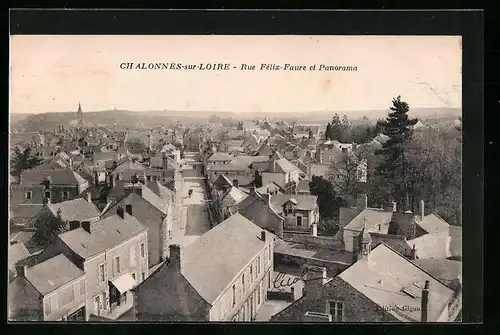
194, 220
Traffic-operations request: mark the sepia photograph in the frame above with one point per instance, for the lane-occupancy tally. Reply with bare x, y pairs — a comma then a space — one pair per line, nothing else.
235, 178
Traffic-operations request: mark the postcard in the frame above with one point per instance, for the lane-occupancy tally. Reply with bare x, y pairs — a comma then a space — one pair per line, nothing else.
218, 178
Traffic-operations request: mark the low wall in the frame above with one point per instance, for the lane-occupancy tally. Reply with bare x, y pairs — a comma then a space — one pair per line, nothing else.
332, 268
319, 241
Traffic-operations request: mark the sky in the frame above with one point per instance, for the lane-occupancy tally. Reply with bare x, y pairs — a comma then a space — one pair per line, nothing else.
53, 73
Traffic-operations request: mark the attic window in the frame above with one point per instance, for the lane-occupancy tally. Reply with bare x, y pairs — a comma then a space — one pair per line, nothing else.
118, 231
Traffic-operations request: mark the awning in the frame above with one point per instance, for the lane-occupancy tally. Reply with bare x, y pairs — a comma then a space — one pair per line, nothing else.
124, 283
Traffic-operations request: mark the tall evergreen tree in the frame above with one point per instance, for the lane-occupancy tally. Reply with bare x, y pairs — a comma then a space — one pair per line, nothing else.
23, 160
327, 131
48, 227
394, 166
336, 128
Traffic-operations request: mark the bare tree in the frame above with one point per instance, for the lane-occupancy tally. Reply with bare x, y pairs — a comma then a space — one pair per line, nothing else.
344, 174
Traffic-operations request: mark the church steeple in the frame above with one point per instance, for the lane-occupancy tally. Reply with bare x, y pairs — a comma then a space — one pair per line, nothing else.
79, 113
364, 242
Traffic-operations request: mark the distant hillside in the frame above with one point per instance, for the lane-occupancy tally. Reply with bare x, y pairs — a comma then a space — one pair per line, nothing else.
146, 119
325, 116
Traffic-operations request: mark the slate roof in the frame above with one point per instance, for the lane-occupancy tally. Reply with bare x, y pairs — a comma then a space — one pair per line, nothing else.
25, 210
75, 210
433, 224
372, 217
383, 278
58, 177
220, 157
304, 202
272, 187
53, 273
432, 245
17, 252
303, 186
303, 250
105, 234
129, 165
443, 269
162, 191
234, 196
396, 242
212, 262
284, 166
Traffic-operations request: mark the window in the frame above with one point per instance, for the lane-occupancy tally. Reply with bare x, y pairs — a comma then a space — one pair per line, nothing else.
269, 253
133, 275
337, 311
142, 250
47, 306
243, 282
122, 299
258, 294
101, 273
132, 256
28, 194
143, 275
269, 279
299, 221
234, 296
47, 194
251, 271
64, 195
258, 265
117, 268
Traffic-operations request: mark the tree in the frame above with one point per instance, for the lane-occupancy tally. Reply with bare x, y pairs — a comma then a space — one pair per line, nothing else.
257, 179
328, 202
344, 174
394, 167
48, 227
336, 128
310, 134
328, 131
23, 160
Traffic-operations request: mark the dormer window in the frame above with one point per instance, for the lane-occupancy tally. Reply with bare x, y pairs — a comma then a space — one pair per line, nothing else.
28, 195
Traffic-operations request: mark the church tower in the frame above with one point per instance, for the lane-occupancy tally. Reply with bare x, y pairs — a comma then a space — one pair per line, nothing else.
79, 114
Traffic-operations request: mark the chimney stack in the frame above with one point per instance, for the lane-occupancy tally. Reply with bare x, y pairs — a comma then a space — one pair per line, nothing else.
263, 235
413, 253
89, 197
269, 199
425, 301
394, 206
422, 209
315, 278
362, 201
175, 256
22, 270
128, 209
120, 213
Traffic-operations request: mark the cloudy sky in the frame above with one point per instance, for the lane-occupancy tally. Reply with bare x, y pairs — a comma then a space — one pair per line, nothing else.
53, 73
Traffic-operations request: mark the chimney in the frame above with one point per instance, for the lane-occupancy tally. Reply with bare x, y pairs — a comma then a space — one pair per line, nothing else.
128, 209
422, 210
71, 163
425, 301
268, 198
314, 229
119, 212
263, 235
315, 278
89, 197
175, 256
413, 253
236, 183
362, 201
394, 206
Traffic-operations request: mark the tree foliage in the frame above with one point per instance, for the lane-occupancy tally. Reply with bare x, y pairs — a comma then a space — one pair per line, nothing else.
344, 174
394, 167
328, 201
23, 160
48, 227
